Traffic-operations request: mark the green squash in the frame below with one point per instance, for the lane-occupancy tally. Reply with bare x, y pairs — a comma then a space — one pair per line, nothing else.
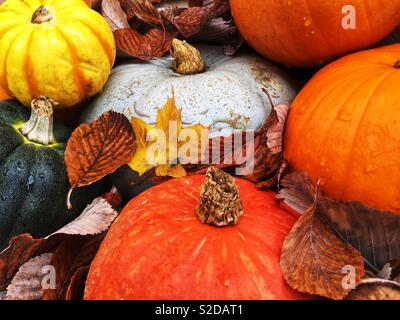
33, 177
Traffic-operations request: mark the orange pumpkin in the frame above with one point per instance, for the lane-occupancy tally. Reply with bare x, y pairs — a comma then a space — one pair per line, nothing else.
158, 249
310, 32
344, 127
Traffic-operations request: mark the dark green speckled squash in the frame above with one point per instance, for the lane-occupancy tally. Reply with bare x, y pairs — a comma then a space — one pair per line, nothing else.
33, 178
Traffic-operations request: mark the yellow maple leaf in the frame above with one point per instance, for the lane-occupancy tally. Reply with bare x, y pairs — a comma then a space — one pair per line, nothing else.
167, 145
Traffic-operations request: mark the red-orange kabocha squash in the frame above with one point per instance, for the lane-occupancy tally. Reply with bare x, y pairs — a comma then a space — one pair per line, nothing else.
158, 248
312, 32
344, 127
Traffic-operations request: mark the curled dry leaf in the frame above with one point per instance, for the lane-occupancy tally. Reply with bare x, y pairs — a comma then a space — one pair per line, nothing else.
153, 44
113, 13
77, 284
98, 149
72, 254
23, 247
191, 21
314, 260
374, 233
143, 10
27, 283
377, 289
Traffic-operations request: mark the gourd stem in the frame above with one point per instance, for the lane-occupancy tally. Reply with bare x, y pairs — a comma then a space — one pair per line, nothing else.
220, 202
42, 15
397, 64
187, 59
39, 127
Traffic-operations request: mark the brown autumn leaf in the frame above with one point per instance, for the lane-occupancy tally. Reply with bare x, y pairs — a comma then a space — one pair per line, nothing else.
71, 255
314, 260
150, 45
93, 224
142, 10
76, 286
113, 13
97, 149
191, 21
27, 283
377, 289
374, 233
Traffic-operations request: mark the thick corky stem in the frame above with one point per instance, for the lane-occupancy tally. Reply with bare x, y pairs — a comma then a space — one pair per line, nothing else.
39, 127
187, 59
220, 202
397, 64
42, 15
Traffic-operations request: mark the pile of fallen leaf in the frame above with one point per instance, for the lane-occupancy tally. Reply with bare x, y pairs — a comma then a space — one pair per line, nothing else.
144, 29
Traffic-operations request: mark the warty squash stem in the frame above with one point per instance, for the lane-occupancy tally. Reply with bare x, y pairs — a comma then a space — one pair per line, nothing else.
220, 202
187, 59
39, 127
42, 15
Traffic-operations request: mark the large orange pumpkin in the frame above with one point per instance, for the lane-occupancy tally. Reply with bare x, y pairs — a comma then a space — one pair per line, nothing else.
344, 127
158, 249
310, 32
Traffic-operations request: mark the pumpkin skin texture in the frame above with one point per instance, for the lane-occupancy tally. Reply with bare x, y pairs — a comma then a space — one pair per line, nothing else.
158, 249
344, 127
3, 94
33, 179
309, 33
67, 58
227, 96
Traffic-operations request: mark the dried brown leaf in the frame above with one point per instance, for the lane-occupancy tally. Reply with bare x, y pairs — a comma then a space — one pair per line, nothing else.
191, 21
374, 233
142, 10
313, 259
113, 13
27, 283
71, 255
23, 247
76, 286
377, 289
153, 44
98, 149
298, 191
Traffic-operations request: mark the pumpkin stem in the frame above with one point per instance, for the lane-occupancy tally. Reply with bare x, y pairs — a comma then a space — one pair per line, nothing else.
397, 64
39, 127
187, 59
42, 15
220, 202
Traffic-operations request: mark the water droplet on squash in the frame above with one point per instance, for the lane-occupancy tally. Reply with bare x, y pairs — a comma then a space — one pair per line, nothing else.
370, 168
42, 175
29, 183
3, 198
307, 22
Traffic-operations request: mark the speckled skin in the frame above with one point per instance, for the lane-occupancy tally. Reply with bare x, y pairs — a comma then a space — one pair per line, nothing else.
227, 96
158, 249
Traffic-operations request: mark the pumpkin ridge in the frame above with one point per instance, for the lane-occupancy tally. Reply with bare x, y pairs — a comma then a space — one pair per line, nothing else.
30, 72
366, 9
80, 81
325, 39
107, 50
335, 119
5, 78
357, 135
286, 48
311, 113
